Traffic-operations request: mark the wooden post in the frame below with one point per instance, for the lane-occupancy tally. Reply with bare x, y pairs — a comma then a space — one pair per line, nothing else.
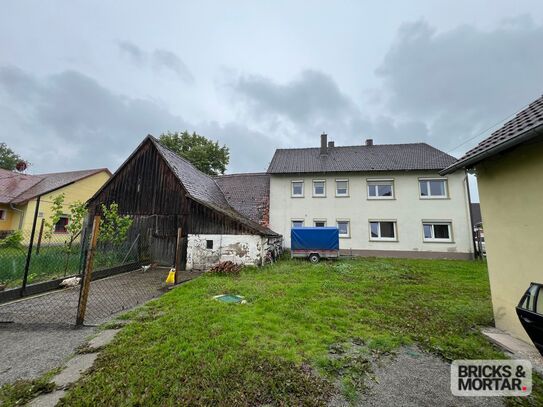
178, 250
85, 285
40, 235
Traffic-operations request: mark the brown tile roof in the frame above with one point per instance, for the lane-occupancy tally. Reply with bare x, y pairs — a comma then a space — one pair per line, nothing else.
13, 184
203, 188
513, 132
249, 194
18, 188
53, 181
379, 157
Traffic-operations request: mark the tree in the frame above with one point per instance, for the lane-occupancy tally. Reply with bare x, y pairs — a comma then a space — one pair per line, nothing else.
74, 227
204, 154
8, 158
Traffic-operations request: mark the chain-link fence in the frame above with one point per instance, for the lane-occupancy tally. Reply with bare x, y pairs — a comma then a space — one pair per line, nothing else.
121, 273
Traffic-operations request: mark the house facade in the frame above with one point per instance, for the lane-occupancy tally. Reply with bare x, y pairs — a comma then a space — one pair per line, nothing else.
19, 196
509, 170
386, 200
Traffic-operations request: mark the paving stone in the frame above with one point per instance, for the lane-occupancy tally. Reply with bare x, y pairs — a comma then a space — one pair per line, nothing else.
47, 400
74, 369
103, 338
518, 348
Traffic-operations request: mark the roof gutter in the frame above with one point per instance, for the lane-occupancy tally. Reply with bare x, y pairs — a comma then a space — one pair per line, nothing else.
493, 151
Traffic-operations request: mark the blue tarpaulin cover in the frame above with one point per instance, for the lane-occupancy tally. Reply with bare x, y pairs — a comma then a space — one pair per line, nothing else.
314, 238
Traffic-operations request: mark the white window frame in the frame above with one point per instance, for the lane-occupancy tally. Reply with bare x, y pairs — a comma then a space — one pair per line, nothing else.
3, 214
292, 194
433, 223
323, 195
297, 220
370, 182
383, 239
429, 196
347, 192
348, 235
319, 220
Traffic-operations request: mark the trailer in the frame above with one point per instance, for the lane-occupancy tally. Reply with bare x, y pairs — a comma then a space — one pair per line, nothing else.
314, 243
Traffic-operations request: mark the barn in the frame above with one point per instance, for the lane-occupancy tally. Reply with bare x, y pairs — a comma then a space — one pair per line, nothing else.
170, 199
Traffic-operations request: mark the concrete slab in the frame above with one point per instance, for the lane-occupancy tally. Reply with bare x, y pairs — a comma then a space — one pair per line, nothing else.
516, 347
47, 400
74, 369
102, 339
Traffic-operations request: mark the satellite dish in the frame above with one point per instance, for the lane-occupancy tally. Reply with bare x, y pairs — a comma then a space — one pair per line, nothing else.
21, 166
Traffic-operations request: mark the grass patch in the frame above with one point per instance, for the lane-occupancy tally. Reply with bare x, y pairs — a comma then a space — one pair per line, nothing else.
22, 391
188, 349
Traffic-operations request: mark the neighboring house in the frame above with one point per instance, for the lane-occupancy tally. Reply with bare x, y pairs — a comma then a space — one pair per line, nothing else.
509, 169
386, 200
19, 194
164, 192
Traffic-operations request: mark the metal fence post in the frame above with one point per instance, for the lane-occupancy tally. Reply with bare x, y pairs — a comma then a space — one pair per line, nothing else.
85, 285
29, 253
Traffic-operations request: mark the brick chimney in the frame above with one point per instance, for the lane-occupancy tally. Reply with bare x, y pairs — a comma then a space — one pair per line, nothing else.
331, 144
324, 148
369, 142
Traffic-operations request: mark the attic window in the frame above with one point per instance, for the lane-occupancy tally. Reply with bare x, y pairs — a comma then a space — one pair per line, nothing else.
209, 244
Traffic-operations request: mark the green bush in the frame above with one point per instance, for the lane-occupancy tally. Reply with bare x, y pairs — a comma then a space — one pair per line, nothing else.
13, 240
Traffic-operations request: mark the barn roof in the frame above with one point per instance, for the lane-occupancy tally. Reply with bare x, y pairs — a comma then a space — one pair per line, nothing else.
18, 188
249, 194
204, 189
378, 157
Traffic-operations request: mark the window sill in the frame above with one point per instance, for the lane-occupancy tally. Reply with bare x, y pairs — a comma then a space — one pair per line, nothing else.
431, 198
342, 196
439, 241
296, 196
380, 199
344, 237
319, 196
384, 240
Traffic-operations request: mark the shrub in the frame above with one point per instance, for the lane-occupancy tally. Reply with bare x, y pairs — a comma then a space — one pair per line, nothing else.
13, 240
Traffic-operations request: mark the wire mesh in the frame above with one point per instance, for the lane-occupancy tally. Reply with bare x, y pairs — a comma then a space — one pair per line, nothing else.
118, 280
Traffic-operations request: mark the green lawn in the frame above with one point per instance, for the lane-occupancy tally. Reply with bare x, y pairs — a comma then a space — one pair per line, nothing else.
188, 349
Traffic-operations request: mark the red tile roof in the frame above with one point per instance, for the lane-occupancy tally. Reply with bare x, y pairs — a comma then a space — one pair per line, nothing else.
18, 188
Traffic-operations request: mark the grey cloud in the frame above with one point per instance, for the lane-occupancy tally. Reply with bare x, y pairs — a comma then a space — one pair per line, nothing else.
68, 120
133, 52
298, 111
168, 60
159, 59
312, 96
462, 81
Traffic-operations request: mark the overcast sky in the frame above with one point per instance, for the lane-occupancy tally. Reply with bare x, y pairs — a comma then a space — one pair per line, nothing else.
81, 82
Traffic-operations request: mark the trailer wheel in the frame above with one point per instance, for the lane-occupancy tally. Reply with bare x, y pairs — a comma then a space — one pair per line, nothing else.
314, 258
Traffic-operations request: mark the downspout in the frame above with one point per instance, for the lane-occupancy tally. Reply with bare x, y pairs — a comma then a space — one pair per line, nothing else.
21, 218
475, 249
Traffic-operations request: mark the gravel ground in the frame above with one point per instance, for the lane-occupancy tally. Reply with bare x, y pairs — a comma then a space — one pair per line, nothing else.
29, 350
413, 378
43, 336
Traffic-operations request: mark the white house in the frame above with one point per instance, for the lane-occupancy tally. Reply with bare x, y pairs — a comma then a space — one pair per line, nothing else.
387, 200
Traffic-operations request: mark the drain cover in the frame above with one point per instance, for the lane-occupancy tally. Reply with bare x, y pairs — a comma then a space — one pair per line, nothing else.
231, 298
